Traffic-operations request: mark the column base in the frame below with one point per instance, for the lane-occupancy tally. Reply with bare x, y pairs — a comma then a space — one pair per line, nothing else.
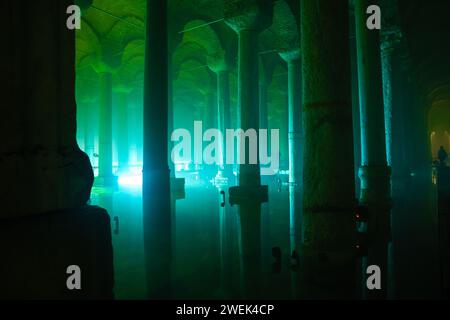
246, 194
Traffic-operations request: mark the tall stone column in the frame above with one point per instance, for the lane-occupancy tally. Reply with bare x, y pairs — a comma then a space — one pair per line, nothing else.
176, 184
248, 18
387, 94
122, 129
389, 48
209, 121
171, 118
374, 172
355, 102
264, 83
223, 105
295, 226
105, 165
266, 68
89, 137
221, 69
328, 263
295, 117
156, 176
40, 160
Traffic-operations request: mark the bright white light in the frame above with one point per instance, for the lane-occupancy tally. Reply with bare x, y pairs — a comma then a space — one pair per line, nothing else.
130, 180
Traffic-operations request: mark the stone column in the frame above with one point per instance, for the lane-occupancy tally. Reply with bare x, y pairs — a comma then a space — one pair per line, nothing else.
387, 94
105, 165
171, 119
295, 134
41, 165
223, 105
328, 263
122, 130
221, 69
374, 172
156, 176
390, 46
209, 121
264, 83
248, 18
81, 111
295, 117
176, 184
251, 19
89, 136
249, 174
390, 41
295, 214
266, 68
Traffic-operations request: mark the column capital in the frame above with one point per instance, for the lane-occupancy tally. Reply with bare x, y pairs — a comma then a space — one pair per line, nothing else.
248, 14
290, 55
217, 62
102, 67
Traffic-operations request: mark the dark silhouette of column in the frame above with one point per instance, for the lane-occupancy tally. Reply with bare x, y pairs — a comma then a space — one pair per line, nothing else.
176, 184
89, 130
328, 263
264, 82
295, 226
122, 130
40, 159
295, 116
156, 175
374, 172
248, 18
222, 70
46, 179
105, 165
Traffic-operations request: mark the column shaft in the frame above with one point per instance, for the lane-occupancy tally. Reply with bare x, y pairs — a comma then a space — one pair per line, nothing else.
263, 108
295, 120
223, 105
248, 99
122, 128
250, 222
171, 119
374, 173
387, 96
156, 176
370, 90
105, 126
89, 132
328, 264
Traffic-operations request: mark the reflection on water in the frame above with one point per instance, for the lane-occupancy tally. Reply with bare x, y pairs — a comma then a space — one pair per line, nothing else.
211, 257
